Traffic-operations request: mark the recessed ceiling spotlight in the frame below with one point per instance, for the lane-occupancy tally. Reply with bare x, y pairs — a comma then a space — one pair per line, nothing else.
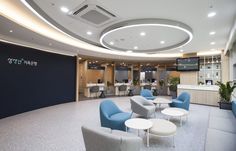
64, 9
211, 14
89, 33
111, 43
129, 51
162, 42
96, 61
11, 31
135, 47
80, 58
212, 33
181, 50
142, 34
212, 43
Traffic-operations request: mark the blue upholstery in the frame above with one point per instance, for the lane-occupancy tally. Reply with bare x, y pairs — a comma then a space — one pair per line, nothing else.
234, 107
182, 101
112, 117
147, 94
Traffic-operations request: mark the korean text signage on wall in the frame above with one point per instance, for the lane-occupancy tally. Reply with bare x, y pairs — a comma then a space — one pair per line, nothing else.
22, 62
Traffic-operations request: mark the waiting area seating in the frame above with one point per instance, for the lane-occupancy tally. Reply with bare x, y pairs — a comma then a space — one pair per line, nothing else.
147, 94
142, 106
112, 117
182, 101
105, 139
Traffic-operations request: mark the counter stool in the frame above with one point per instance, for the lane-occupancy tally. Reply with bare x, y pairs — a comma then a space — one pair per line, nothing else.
122, 88
94, 89
163, 128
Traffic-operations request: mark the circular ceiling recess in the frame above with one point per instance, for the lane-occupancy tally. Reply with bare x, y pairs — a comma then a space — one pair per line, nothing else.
146, 35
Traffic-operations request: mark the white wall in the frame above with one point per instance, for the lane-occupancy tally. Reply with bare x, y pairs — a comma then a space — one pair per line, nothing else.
232, 63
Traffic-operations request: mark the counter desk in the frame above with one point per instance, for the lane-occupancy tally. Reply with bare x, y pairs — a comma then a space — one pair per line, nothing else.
201, 94
89, 85
123, 92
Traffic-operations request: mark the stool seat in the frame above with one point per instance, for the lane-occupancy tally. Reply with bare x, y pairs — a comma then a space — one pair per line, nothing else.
162, 128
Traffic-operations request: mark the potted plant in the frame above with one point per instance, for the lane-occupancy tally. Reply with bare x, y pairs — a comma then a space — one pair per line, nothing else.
161, 84
225, 91
173, 82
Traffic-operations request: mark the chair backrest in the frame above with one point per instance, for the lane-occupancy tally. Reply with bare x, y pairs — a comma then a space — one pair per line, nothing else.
184, 96
138, 99
146, 93
149, 87
103, 139
94, 89
107, 108
122, 87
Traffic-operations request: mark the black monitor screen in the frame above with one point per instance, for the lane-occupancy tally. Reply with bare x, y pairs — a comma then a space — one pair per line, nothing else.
187, 64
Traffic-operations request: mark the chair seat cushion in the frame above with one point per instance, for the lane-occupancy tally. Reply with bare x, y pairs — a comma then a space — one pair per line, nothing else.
120, 116
162, 127
176, 101
150, 97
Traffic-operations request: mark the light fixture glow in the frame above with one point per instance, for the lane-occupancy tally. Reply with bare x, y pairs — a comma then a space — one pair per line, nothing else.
142, 34
181, 50
11, 31
211, 14
64, 9
162, 42
80, 58
8, 10
89, 33
209, 53
135, 47
212, 43
212, 33
111, 43
129, 51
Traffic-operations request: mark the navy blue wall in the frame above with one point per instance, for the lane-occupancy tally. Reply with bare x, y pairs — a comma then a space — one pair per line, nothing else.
32, 79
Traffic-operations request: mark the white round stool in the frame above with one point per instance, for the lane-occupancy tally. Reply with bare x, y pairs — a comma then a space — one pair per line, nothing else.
163, 128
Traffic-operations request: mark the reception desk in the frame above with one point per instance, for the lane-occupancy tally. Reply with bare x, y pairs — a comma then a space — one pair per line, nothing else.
89, 85
201, 94
117, 88
153, 85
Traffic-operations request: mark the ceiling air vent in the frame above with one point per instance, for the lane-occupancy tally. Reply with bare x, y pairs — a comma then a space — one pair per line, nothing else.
93, 14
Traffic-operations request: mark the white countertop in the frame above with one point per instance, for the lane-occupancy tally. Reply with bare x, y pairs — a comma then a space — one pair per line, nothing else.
152, 84
199, 87
118, 84
95, 84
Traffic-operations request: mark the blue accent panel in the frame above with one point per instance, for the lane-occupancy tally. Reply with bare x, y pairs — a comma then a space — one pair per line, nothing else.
34, 79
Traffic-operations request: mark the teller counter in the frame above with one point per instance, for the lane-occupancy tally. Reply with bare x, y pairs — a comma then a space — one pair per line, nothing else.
117, 92
89, 85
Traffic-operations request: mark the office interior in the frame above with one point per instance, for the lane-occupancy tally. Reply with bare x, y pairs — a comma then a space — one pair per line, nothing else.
99, 75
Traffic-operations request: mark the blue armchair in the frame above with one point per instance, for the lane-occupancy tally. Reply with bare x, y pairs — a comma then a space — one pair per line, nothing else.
182, 101
234, 107
147, 94
112, 117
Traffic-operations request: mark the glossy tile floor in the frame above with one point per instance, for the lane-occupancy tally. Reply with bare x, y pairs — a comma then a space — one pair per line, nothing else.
58, 128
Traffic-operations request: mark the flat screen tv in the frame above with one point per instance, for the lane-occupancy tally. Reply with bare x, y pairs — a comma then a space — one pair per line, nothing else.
187, 64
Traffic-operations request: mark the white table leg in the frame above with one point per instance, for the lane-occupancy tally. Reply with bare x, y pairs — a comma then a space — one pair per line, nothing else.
147, 137
180, 120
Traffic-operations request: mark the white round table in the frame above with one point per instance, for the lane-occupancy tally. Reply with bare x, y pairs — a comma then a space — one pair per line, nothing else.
175, 112
161, 101
139, 124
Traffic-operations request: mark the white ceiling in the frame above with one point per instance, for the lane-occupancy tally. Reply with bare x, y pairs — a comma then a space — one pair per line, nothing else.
191, 12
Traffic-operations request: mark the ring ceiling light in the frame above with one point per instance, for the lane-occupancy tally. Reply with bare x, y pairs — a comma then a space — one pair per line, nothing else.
175, 35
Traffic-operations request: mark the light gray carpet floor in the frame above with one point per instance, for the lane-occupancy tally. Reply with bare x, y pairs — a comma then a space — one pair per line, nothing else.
58, 128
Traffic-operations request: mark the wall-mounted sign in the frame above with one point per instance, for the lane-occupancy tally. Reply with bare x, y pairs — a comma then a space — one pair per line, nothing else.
22, 61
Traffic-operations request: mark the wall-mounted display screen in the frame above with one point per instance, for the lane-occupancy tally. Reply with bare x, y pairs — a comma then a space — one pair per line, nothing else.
187, 64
